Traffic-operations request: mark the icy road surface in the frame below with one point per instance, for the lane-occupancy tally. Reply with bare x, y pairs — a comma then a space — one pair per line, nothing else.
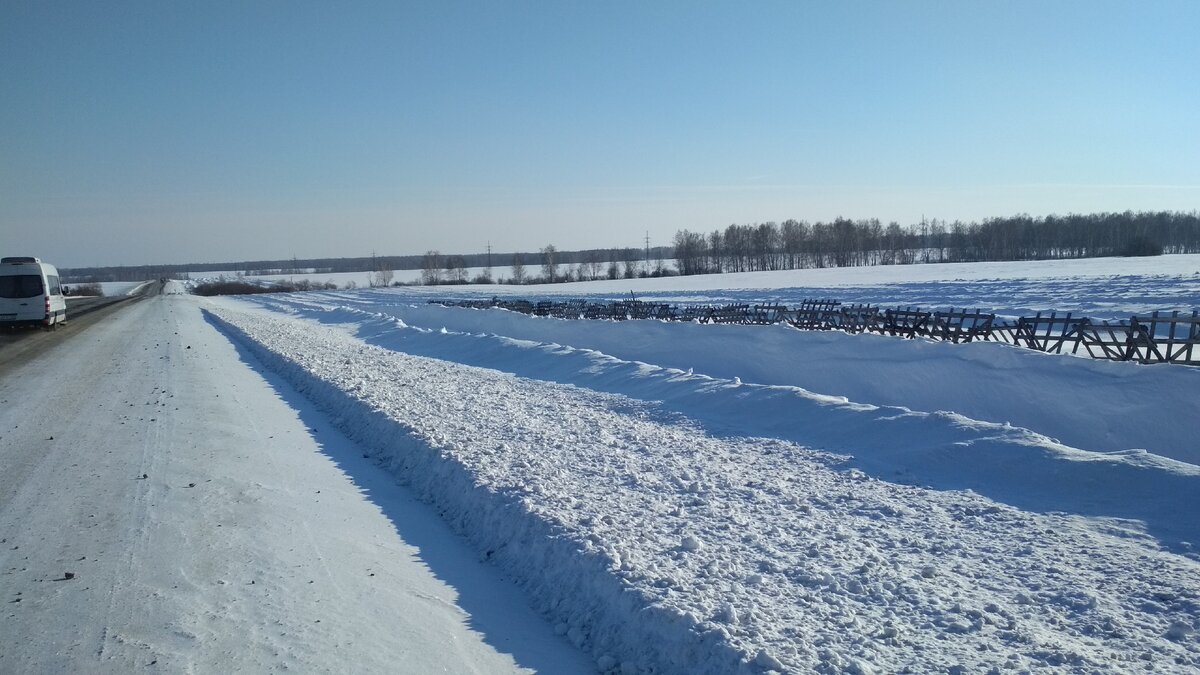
164, 508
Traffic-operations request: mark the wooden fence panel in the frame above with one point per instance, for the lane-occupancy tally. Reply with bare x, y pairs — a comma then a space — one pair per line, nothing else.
906, 322
1157, 337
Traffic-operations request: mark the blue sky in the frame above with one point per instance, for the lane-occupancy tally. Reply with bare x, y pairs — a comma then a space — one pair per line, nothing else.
159, 131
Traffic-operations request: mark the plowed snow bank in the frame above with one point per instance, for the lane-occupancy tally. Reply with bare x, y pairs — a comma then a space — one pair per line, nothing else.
660, 548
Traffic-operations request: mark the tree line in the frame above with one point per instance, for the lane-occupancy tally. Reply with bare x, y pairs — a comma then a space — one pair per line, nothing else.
796, 244
791, 244
550, 265
587, 259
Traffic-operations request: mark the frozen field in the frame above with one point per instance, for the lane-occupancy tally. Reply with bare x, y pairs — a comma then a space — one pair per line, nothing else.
1099, 287
687, 498
111, 288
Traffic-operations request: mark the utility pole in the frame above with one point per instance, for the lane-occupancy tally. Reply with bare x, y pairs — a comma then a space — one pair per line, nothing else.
647, 252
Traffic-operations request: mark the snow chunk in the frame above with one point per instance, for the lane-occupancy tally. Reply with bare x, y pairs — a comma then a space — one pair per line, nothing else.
765, 660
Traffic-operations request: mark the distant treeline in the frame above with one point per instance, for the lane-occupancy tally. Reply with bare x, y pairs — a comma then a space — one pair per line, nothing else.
842, 243
335, 265
791, 244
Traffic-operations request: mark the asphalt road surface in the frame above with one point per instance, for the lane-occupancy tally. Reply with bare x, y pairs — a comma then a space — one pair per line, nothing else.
18, 345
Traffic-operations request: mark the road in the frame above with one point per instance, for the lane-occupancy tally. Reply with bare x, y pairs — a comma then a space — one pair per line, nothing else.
165, 507
20, 345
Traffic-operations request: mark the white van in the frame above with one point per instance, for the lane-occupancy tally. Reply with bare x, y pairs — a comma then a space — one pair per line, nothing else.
30, 293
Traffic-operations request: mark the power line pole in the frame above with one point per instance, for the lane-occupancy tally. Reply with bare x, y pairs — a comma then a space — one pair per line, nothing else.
647, 252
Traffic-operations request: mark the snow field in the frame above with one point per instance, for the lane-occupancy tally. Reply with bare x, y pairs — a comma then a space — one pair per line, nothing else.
1097, 405
658, 547
112, 288
1102, 288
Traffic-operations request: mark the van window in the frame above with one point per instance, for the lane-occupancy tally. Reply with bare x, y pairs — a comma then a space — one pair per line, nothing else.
52, 282
21, 286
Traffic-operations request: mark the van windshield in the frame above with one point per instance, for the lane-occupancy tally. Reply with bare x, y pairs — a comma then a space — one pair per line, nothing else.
21, 286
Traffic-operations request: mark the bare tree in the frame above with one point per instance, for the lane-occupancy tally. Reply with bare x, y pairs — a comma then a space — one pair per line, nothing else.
518, 269
937, 234
381, 277
737, 248
456, 269
690, 251
550, 263
630, 257
716, 251
593, 264
766, 243
431, 268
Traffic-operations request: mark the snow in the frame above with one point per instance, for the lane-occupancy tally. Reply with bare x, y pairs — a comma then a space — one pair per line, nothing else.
112, 288
676, 498
341, 279
598, 507
1176, 266
214, 521
1102, 288
665, 497
1110, 406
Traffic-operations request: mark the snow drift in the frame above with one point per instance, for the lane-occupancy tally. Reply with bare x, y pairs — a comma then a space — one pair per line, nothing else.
663, 537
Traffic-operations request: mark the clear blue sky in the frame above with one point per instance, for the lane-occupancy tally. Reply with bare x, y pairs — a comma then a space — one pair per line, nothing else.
171, 131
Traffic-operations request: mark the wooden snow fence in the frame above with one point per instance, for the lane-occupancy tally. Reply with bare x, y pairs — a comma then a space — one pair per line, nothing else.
1153, 338
732, 313
694, 313
1050, 333
858, 318
770, 313
961, 326
908, 322
601, 310
572, 309
816, 315
1158, 337
522, 306
1178, 335
653, 310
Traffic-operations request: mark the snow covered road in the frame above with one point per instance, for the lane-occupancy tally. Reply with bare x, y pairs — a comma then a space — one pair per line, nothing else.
164, 508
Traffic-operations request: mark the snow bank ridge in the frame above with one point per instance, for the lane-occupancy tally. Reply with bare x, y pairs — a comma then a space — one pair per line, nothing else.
941, 449
572, 578
659, 548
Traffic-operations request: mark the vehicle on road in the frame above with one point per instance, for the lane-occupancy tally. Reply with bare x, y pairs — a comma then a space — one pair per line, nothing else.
30, 293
